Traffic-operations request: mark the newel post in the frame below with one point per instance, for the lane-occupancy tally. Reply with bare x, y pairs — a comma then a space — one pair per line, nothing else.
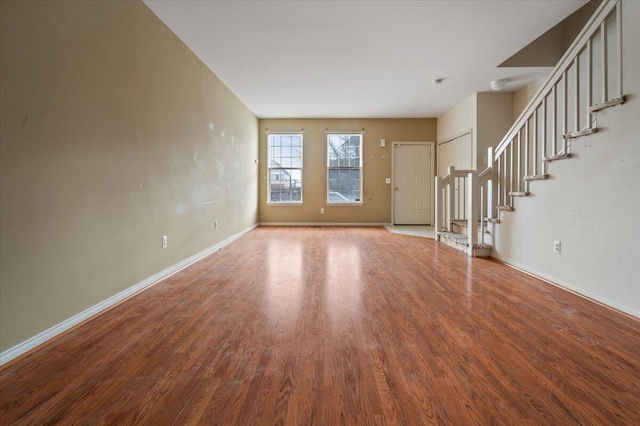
472, 211
438, 208
451, 197
492, 186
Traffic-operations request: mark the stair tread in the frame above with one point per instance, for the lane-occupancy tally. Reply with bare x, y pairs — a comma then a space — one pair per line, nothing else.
556, 157
613, 102
536, 177
580, 133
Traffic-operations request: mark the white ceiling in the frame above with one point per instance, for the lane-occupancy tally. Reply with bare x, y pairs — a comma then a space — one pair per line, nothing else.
357, 59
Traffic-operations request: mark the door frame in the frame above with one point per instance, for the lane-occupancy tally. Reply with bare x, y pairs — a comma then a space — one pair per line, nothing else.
393, 176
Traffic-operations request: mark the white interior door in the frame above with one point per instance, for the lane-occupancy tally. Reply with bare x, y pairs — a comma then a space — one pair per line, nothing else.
412, 184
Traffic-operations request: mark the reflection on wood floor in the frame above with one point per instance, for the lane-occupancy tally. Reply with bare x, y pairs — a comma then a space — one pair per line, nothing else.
425, 231
337, 326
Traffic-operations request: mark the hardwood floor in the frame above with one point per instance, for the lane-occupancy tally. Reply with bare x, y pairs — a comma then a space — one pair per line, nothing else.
335, 326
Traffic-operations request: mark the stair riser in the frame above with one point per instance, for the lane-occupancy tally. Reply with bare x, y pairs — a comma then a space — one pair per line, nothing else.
453, 244
481, 252
464, 248
462, 229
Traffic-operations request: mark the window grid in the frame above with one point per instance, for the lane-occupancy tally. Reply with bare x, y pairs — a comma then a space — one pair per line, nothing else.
284, 183
344, 168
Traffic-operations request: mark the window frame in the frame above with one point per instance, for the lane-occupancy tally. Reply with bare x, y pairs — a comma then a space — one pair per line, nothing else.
360, 168
270, 135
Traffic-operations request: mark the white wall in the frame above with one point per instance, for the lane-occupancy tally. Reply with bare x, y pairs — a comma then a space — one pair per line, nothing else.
591, 203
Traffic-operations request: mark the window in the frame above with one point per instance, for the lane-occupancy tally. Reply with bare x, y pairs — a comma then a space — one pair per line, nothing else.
285, 168
344, 163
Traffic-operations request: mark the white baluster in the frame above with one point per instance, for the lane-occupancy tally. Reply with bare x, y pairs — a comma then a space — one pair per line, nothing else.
451, 196
472, 211
619, 46
605, 64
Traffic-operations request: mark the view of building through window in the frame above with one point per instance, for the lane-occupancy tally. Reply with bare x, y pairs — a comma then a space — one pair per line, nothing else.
344, 162
285, 168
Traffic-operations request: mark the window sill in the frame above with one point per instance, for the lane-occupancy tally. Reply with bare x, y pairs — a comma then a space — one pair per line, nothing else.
355, 204
285, 204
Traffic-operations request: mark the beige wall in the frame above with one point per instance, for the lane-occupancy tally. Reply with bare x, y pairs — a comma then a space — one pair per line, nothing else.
576, 22
547, 50
487, 115
376, 167
522, 96
460, 119
106, 146
455, 153
494, 118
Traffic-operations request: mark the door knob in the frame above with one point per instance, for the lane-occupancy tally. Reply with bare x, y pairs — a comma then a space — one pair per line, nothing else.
396, 188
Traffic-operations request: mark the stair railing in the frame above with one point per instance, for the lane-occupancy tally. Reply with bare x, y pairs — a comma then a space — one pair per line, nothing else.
563, 108
481, 193
451, 199
465, 196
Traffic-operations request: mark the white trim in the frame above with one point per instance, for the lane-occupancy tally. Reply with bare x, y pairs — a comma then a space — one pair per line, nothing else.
269, 132
331, 132
345, 204
569, 287
269, 168
323, 224
432, 145
69, 323
276, 204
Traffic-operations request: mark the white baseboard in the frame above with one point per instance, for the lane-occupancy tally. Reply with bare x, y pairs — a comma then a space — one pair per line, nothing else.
322, 224
569, 287
69, 323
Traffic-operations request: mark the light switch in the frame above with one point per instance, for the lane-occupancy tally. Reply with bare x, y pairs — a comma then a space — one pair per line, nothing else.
387, 180
383, 143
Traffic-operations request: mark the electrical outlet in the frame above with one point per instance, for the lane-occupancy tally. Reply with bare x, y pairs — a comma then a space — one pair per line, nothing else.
165, 242
215, 225
556, 246
321, 210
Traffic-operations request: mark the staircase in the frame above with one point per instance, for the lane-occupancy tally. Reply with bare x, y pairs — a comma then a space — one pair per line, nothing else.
587, 79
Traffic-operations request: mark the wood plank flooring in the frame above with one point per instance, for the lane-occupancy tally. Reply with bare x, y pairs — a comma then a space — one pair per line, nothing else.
333, 326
